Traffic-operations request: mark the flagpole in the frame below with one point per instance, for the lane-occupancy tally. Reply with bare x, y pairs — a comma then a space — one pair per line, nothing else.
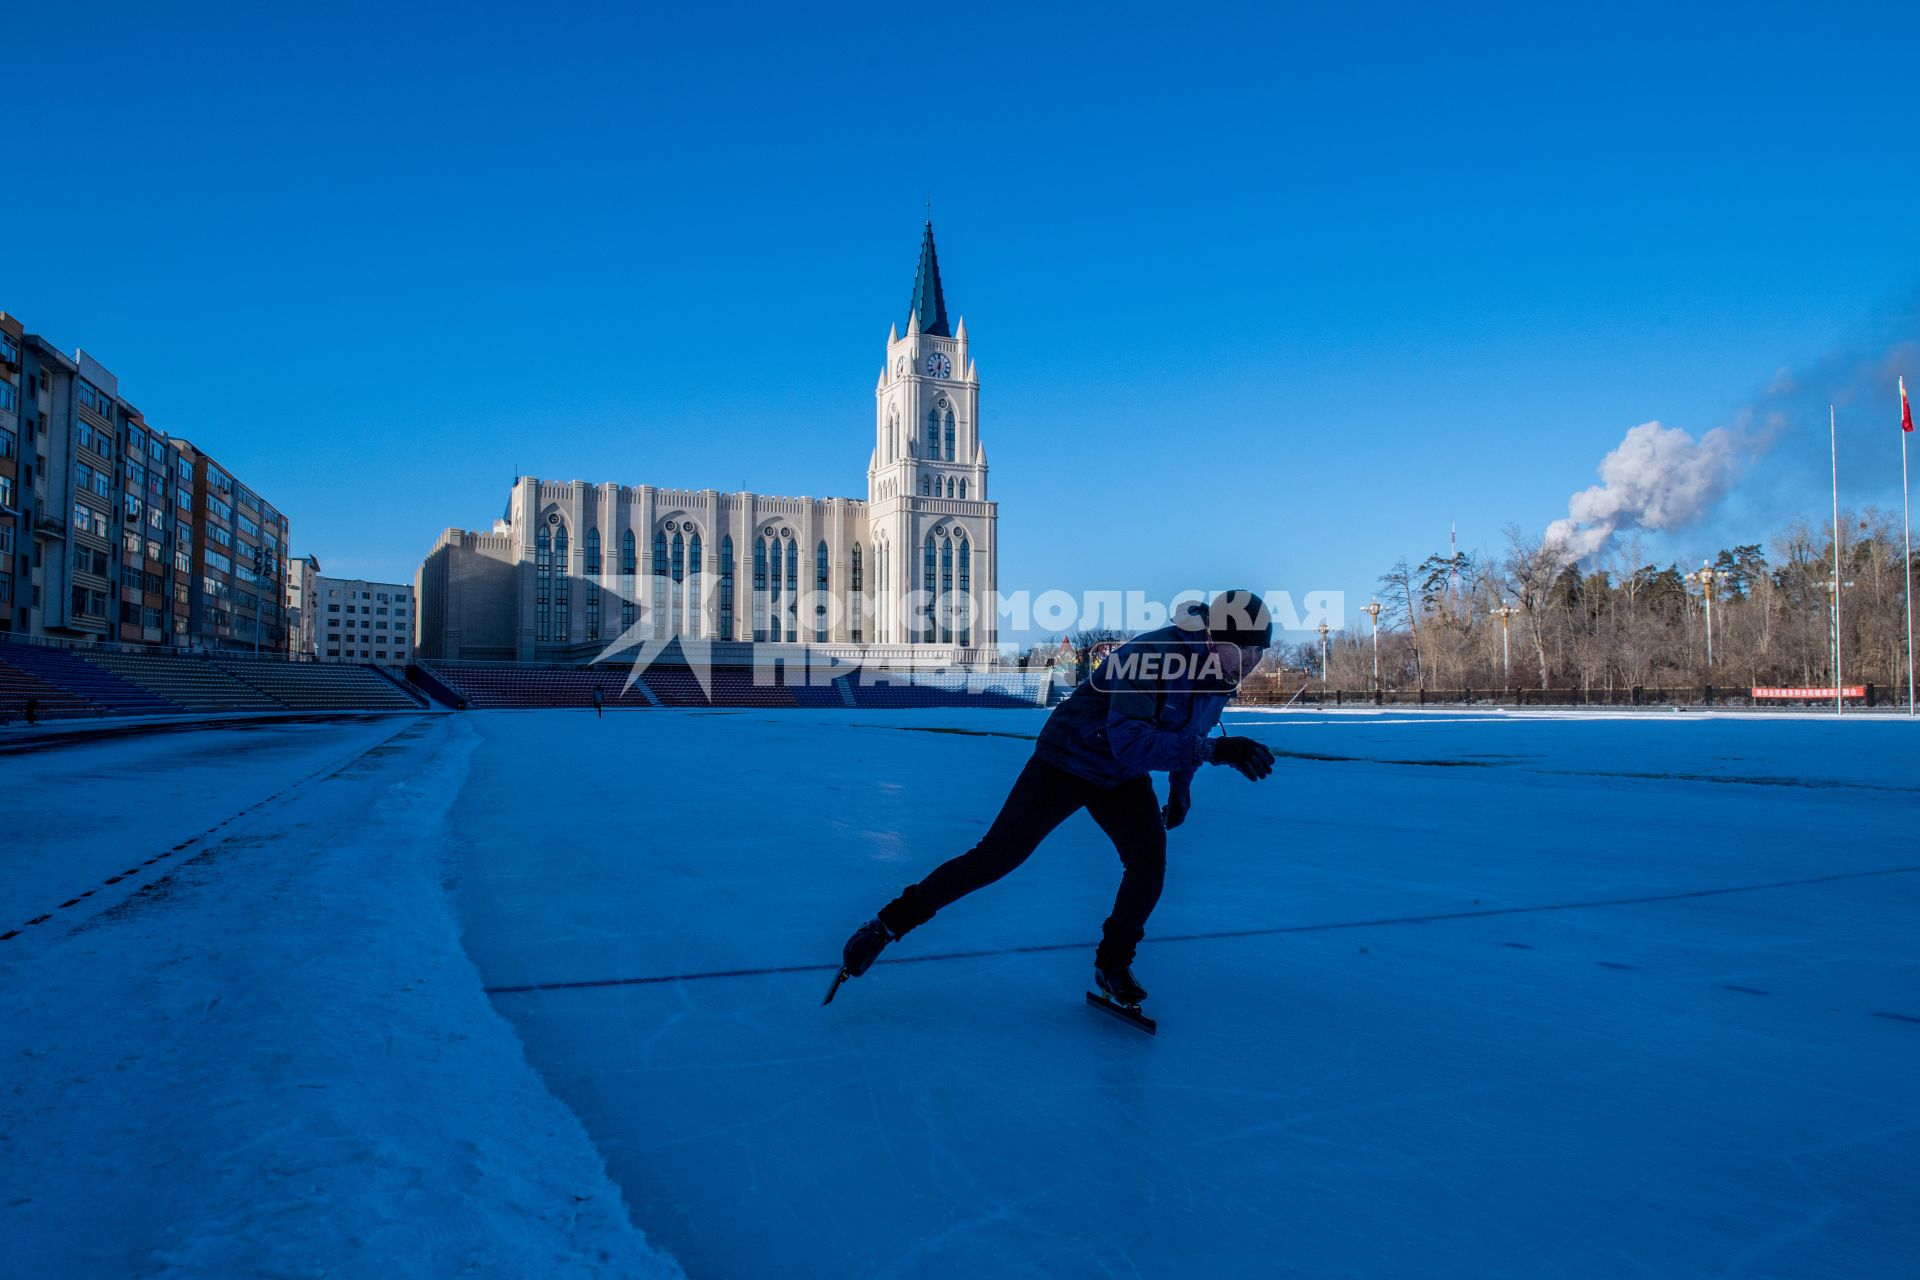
1833, 447
1906, 512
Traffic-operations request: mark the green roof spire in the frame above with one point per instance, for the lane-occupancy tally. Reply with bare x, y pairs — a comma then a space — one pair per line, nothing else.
929, 303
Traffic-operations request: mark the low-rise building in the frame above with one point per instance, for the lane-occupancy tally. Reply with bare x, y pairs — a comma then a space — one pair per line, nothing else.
303, 575
360, 621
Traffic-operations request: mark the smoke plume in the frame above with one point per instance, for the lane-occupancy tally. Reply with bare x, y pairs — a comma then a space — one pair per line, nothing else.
1657, 478
1661, 478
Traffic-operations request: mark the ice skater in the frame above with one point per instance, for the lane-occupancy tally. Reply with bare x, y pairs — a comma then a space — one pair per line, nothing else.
1148, 708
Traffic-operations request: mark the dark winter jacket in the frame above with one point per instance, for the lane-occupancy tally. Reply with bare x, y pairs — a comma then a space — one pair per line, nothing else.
1140, 721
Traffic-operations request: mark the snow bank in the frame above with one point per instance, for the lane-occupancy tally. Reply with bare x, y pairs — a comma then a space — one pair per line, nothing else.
278, 1062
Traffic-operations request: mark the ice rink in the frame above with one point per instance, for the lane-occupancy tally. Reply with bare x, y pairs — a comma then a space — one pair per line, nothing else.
1451, 995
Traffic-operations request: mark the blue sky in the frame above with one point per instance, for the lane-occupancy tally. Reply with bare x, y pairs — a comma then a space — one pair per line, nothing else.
1268, 295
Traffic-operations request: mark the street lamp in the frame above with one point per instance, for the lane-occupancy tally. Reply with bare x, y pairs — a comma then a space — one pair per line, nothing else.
1323, 653
1373, 611
1705, 577
1505, 613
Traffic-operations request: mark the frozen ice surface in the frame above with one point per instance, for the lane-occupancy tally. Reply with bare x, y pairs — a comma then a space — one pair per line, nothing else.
1452, 995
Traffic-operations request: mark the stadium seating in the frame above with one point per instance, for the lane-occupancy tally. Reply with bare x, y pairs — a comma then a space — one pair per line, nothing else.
69, 671
320, 686
948, 688
187, 680
503, 685
508, 686
50, 701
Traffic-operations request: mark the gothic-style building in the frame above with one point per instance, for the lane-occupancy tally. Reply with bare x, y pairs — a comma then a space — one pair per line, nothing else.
906, 573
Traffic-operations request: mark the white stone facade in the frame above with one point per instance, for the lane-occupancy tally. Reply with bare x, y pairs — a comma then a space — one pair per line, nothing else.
907, 574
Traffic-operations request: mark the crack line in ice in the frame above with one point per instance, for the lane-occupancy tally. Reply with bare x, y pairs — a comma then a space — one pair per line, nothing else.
1383, 922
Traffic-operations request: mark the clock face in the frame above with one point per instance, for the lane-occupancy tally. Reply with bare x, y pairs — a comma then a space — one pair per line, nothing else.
938, 365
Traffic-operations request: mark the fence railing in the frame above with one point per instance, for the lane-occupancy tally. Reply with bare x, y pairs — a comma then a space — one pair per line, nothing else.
1314, 695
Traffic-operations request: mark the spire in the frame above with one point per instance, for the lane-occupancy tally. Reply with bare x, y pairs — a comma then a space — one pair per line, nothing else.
929, 303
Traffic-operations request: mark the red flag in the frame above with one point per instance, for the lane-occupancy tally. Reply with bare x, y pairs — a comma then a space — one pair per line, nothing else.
1906, 410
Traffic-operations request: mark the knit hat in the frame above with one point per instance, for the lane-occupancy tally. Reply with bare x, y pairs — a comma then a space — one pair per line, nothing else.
1240, 617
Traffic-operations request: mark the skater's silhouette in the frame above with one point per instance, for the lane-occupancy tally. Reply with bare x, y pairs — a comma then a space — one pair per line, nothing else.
599, 703
1148, 709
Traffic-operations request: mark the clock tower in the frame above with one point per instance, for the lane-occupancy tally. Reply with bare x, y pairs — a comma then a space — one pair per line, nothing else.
928, 511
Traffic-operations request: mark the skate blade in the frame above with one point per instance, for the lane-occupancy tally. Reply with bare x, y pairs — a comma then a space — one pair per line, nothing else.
1129, 1014
838, 978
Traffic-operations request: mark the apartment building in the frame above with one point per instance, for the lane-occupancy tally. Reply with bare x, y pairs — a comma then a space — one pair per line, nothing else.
359, 621
14, 545
120, 533
303, 574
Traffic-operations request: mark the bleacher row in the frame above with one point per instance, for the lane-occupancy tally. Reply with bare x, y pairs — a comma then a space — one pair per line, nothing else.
500, 686
68, 684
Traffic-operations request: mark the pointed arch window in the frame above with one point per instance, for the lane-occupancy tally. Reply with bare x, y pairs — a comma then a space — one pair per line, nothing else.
933, 433
657, 584
593, 587
946, 591
759, 589
963, 600
562, 567
677, 601
726, 587
793, 591
949, 435
854, 586
963, 490
926, 487
694, 593
543, 583
629, 563
930, 587
820, 594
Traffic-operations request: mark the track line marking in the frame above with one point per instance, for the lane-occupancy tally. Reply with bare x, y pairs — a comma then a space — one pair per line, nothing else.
1381, 923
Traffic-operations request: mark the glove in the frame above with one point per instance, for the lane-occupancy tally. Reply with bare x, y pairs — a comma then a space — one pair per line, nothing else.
1174, 812
1251, 758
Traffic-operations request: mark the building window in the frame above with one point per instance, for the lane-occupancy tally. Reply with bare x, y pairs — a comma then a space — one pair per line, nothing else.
593, 552
793, 591
854, 601
562, 630
926, 487
694, 592
820, 593
963, 555
628, 564
933, 433
726, 587
759, 589
658, 585
679, 574
949, 435
963, 490
930, 584
543, 582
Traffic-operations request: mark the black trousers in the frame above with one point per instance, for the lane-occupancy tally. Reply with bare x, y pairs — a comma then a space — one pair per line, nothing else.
1042, 798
